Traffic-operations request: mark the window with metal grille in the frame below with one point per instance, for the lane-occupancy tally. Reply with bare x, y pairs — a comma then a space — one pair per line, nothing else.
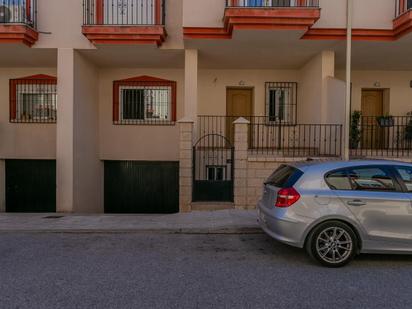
148, 103
281, 101
33, 99
144, 100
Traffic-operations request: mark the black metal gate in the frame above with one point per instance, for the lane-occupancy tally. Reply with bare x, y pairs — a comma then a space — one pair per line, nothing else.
141, 187
213, 169
30, 186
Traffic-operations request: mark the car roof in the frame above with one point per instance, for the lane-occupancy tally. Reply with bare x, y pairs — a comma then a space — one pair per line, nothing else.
336, 164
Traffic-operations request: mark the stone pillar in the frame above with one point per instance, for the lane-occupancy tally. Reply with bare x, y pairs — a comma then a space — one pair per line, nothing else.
241, 155
65, 130
191, 76
185, 164
2, 186
79, 170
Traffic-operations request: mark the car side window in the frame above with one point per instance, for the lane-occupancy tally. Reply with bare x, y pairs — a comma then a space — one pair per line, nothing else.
406, 176
339, 180
371, 179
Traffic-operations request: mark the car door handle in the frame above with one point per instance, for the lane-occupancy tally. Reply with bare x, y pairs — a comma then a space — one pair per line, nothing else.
356, 203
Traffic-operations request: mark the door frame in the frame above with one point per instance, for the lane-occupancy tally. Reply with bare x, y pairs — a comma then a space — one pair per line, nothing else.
379, 135
229, 131
385, 98
252, 90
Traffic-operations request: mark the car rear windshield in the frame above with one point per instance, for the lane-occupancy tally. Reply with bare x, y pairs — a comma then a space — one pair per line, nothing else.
284, 177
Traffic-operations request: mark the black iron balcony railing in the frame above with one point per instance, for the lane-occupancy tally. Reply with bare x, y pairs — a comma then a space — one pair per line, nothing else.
272, 3
124, 12
402, 6
269, 138
388, 136
18, 12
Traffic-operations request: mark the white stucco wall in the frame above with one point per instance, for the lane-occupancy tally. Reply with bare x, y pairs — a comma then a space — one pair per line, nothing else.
335, 107
200, 13
312, 94
88, 169
368, 14
397, 83
24, 140
79, 170
137, 142
62, 20
213, 85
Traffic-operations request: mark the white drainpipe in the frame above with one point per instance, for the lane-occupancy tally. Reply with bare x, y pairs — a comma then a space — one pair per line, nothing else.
346, 139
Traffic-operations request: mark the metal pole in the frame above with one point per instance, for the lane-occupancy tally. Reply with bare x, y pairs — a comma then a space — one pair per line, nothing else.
346, 154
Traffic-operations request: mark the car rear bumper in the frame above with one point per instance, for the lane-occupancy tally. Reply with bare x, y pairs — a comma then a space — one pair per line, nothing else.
283, 227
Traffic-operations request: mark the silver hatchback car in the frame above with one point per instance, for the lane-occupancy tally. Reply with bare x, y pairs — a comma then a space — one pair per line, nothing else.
336, 210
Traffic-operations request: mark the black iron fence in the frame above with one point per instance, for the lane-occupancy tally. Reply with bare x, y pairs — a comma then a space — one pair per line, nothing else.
33, 100
18, 12
266, 137
123, 12
402, 6
388, 136
272, 3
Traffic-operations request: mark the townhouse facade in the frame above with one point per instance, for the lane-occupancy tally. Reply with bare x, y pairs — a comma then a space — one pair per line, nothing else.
160, 106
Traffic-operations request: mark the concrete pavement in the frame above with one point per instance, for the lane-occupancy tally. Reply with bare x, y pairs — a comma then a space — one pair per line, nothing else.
222, 221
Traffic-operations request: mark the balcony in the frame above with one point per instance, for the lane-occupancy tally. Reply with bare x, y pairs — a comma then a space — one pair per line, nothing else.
124, 21
267, 137
298, 15
403, 6
272, 14
402, 23
18, 21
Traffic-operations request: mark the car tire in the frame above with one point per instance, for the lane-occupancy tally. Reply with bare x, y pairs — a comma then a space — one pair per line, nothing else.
332, 244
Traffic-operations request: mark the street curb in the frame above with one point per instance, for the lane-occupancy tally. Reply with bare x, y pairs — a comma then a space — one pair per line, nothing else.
187, 231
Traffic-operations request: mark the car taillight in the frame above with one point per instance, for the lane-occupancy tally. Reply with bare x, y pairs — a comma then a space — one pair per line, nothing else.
287, 197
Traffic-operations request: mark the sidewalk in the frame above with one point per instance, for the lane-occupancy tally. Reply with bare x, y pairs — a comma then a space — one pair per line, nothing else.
223, 221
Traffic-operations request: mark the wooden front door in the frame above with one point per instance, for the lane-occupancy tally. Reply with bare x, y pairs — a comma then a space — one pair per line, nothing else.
372, 107
239, 103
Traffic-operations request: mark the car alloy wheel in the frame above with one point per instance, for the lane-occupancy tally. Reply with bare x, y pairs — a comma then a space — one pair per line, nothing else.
333, 244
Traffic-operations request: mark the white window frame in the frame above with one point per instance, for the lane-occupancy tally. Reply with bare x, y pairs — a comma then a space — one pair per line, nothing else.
216, 167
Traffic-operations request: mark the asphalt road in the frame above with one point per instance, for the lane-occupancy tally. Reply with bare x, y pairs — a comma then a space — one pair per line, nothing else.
188, 271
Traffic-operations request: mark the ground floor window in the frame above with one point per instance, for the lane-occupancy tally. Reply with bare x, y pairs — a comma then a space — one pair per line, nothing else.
281, 101
144, 100
145, 103
33, 99
216, 173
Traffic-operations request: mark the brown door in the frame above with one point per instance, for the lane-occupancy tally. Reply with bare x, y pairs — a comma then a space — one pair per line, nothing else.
239, 103
372, 107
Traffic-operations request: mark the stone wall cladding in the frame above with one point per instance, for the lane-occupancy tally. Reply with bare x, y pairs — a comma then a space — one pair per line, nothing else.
185, 164
259, 168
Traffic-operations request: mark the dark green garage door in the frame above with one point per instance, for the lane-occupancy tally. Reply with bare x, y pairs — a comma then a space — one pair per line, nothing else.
141, 187
30, 185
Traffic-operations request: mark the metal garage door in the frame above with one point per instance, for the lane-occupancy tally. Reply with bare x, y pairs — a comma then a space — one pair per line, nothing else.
141, 187
30, 185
